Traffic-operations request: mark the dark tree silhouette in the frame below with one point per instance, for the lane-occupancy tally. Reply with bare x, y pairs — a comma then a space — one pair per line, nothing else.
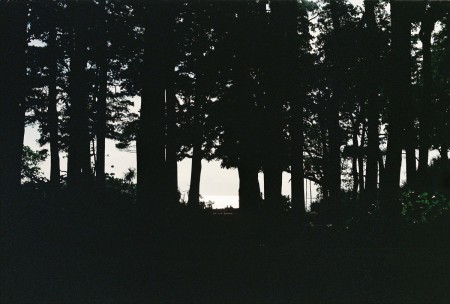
296, 45
399, 104
151, 136
373, 53
53, 99
102, 94
13, 44
79, 162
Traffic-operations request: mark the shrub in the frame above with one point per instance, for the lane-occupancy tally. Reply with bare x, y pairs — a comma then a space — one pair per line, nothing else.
425, 207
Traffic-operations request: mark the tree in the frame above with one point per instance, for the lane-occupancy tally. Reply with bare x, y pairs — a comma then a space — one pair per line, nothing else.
79, 163
298, 64
432, 13
151, 137
102, 60
441, 89
399, 104
373, 62
13, 45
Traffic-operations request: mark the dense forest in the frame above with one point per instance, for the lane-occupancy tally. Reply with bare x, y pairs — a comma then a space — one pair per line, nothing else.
324, 90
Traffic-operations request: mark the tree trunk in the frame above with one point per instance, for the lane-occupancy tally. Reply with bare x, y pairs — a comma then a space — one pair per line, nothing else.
53, 110
151, 168
276, 95
399, 105
410, 161
249, 191
361, 159
78, 158
297, 173
355, 174
171, 149
196, 170
325, 155
102, 99
373, 141
173, 195
334, 129
381, 167
13, 44
425, 113
297, 96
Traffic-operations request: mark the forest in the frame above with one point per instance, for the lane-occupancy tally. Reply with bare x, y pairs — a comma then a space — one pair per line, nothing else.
346, 96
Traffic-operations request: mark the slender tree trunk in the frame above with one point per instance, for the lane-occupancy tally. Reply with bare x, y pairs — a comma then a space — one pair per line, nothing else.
334, 129
53, 110
13, 44
361, 159
196, 170
151, 168
173, 195
102, 100
297, 96
399, 105
78, 159
381, 167
297, 173
171, 149
425, 113
373, 142
355, 161
276, 96
325, 155
197, 154
410, 162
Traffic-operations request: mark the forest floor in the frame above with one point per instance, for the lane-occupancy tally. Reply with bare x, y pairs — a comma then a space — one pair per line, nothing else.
205, 258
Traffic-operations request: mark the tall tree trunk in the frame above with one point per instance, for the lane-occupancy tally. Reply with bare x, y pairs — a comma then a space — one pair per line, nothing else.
373, 141
297, 173
398, 106
334, 129
52, 109
325, 155
102, 99
355, 174
13, 44
197, 154
151, 168
297, 96
173, 195
425, 113
273, 114
78, 158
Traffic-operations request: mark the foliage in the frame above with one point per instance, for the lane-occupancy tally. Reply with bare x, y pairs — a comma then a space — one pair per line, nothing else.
124, 186
425, 207
31, 171
206, 205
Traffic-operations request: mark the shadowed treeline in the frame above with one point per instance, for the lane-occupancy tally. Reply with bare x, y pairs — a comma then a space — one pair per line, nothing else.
323, 90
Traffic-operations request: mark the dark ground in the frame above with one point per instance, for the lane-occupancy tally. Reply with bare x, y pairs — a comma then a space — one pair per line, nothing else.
67, 256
